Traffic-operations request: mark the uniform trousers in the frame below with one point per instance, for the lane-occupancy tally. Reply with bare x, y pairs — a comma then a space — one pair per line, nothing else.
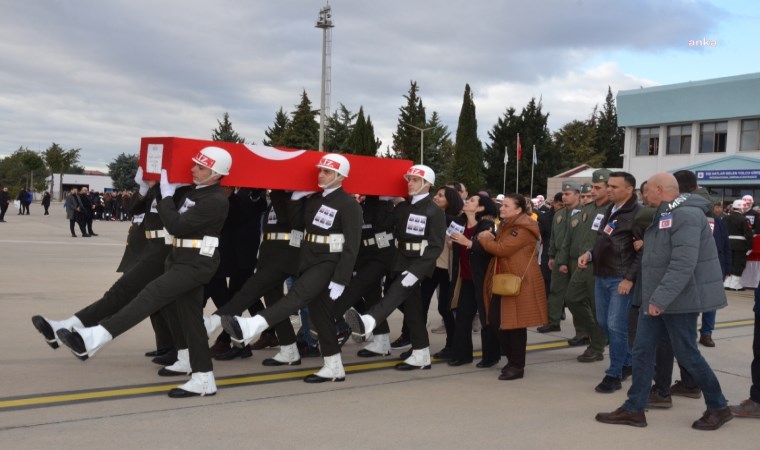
556, 297
265, 282
410, 297
180, 286
581, 301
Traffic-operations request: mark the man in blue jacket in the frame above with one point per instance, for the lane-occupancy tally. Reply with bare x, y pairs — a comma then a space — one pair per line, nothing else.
680, 278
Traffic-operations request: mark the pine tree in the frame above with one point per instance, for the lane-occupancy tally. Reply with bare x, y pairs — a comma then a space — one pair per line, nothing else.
225, 132
372, 137
406, 139
609, 136
503, 136
303, 130
435, 137
122, 171
534, 131
576, 141
362, 141
468, 150
338, 130
276, 133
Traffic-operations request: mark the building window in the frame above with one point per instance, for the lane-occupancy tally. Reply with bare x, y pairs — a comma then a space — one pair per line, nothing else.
647, 141
713, 137
750, 140
679, 140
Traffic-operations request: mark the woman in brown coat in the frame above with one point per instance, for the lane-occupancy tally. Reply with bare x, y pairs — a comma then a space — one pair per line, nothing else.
514, 249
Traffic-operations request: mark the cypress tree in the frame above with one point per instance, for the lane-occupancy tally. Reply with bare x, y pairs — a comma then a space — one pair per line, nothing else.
468, 151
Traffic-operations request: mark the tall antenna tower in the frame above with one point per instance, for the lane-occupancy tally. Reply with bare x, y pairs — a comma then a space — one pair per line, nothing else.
325, 23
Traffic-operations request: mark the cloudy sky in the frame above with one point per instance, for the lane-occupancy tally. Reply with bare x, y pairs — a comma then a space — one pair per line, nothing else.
99, 75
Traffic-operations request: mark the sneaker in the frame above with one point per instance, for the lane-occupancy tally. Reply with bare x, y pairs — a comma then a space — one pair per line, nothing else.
590, 356
712, 420
401, 342
608, 385
747, 408
681, 390
706, 340
656, 400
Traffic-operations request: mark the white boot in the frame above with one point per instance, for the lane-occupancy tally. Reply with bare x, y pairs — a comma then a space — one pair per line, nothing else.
361, 325
419, 359
93, 338
212, 324
180, 367
48, 328
287, 356
201, 383
252, 327
380, 345
332, 370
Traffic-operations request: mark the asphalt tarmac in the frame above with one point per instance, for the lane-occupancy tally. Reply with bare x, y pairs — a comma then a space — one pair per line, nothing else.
50, 399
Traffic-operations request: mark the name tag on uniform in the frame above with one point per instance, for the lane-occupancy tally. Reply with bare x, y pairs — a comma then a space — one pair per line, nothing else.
296, 236
325, 217
597, 222
609, 228
751, 219
383, 239
138, 219
187, 205
271, 217
454, 228
415, 225
154, 206
666, 221
711, 221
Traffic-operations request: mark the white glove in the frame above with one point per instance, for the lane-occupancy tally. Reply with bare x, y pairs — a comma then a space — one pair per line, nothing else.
409, 279
167, 189
336, 290
298, 195
142, 184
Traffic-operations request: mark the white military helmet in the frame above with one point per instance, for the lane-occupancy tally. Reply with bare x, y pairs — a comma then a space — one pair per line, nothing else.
748, 200
335, 162
739, 204
214, 158
422, 171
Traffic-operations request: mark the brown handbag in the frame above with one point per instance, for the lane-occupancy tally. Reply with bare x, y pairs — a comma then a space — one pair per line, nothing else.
508, 284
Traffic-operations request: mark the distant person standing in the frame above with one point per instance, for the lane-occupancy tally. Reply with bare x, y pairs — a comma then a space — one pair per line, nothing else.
88, 209
73, 212
4, 200
22, 198
46, 202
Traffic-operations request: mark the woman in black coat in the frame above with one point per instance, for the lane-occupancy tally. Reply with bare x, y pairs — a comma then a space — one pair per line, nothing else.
46, 202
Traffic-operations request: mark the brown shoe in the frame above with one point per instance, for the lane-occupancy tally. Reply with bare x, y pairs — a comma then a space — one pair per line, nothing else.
706, 340
681, 390
747, 408
590, 356
622, 416
656, 400
219, 347
712, 420
511, 373
266, 340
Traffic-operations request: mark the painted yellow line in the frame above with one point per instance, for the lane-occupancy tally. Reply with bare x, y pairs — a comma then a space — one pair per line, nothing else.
81, 397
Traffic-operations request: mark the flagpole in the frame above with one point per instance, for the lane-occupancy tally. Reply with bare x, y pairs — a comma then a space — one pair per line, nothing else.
506, 160
532, 166
517, 162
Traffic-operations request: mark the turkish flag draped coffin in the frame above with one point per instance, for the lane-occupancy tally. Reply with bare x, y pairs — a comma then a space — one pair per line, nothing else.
257, 166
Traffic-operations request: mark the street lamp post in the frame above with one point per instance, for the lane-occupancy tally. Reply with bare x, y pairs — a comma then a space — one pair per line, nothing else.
422, 138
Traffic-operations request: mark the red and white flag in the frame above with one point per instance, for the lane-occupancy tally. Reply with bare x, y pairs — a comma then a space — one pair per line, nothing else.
519, 148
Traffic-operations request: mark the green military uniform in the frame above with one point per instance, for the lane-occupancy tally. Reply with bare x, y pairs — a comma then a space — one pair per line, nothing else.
580, 296
562, 219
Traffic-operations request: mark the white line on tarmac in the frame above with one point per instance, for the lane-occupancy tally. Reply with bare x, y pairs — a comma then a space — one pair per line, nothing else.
105, 244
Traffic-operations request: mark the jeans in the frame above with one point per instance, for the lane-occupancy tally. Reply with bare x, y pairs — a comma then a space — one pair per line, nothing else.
708, 323
681, 328
612, 315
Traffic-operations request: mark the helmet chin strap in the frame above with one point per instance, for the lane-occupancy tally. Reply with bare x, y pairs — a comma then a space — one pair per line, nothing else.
203, 182
412, 194
334, 183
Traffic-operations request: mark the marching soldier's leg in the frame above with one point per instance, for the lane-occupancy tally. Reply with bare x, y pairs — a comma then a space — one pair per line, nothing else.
417, 321
286, 336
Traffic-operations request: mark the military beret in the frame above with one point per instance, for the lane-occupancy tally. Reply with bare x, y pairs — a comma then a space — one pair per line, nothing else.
585, 188
571, 186
601, 175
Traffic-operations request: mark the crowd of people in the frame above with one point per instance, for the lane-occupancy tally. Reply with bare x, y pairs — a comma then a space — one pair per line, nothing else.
634, 273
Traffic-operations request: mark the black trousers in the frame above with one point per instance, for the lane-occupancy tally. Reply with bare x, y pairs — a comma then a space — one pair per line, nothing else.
414, 317
181, 286
754, 391
81, 226
442, 281
738, 261
148, 268
513, 343
266, 282
466, 309
3, 209
162, 330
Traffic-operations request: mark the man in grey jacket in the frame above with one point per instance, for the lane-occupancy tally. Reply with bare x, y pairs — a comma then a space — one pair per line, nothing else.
680, 278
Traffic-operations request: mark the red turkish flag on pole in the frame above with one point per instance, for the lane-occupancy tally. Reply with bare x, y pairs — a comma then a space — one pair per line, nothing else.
519, 148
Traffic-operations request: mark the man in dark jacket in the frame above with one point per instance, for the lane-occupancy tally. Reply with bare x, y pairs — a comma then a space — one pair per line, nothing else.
616, 265
680, 277
4, 200
740, 236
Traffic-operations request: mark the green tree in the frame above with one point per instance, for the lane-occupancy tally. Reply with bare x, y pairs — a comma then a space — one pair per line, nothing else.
503, 136
225, 133
362, 140
24, 168
122, 171
435, 138
303, 130
468, 150
276, 133
576, 142
406, 139
338, 130
609, 136
61, 161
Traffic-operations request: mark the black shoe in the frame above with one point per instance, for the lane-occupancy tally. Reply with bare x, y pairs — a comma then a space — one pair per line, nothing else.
405, 367
511, 373
401, 342
181, 393
44, 327
73, 235
92, 234
85, 235
271, 362
622, 416
158, 352
73, 341
405, 354
549, 328
164, 372
459, 362
627, 372
235, 352
232, 327
364, 353
354, 321
314, 378
167, 359
483, 364
443, 354
579, 341
309, 351
343, 336
608, 385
